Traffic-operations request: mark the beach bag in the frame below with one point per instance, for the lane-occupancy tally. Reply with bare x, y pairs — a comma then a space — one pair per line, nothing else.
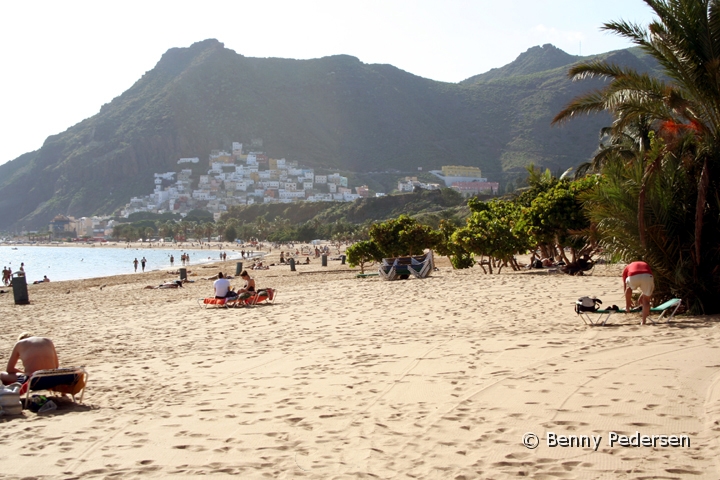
587, 304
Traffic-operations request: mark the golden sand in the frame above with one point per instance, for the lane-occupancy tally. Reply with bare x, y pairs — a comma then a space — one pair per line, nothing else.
362, 378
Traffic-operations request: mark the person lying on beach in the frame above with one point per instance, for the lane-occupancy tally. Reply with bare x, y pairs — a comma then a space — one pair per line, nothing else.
44, 280
174, 284
218, 276
35, 353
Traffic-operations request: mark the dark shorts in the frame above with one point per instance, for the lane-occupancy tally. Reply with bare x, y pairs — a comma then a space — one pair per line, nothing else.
22, 378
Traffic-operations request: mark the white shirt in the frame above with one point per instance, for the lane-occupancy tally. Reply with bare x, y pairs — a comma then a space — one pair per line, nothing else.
222, 285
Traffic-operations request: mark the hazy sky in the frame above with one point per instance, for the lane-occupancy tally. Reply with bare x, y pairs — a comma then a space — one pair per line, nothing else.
61, 60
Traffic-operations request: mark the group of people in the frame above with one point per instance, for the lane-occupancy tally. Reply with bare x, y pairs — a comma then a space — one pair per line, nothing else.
223, 289
6, 276
142, 262
283, 258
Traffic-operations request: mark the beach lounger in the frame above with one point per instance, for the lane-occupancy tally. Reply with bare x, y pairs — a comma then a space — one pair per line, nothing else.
604, 315
69, 380
263, 295
665, 308
217, 302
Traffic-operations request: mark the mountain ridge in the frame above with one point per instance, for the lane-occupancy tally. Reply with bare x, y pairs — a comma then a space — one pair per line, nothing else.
329, 113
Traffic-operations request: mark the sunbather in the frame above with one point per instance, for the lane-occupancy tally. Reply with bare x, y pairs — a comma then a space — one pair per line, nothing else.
35, 353
173, 284
249, 283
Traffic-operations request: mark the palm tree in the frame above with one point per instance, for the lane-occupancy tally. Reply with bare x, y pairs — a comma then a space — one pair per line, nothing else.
148, 233
165, 229
208, 228
634, 139
684, 113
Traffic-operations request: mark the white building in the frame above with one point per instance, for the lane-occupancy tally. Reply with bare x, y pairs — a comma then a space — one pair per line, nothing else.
285, 194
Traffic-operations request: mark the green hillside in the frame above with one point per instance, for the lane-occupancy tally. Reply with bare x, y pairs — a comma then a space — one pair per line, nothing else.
331, 113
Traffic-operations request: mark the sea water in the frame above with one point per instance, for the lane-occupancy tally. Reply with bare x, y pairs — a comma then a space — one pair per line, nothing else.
76, 263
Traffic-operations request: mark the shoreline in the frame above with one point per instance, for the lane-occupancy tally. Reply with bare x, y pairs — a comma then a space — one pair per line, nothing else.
233, 254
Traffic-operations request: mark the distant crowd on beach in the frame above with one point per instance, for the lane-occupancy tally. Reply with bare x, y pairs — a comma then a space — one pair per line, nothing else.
7, 275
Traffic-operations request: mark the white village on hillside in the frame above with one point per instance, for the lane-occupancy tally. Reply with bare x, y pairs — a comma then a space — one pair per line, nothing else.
246, 179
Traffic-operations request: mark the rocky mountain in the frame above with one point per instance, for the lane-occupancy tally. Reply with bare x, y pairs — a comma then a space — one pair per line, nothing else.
331, 113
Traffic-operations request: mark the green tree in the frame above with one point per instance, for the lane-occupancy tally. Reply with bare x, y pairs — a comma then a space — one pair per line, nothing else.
148, 233
459, 257
208, 229
683, 109
166, 229
230, 234
496, 230
360, 253
403, 236
555, 219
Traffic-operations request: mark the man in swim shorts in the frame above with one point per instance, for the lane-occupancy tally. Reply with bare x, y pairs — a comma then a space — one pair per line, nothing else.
35, 353
638, 275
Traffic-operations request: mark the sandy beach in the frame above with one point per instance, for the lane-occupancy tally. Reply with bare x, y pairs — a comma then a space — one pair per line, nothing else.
361, 378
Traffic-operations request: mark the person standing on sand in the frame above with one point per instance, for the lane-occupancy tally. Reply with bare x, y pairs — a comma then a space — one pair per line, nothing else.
35, 353
172, 260
143, 262
638, 275
6, 276
135, 262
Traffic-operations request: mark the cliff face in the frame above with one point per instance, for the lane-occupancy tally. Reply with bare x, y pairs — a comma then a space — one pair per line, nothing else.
328, 113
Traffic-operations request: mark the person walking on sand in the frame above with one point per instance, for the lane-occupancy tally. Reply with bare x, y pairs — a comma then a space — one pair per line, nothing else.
172, 260
638, 275
6, 276
35, 353
143, 262
135, 263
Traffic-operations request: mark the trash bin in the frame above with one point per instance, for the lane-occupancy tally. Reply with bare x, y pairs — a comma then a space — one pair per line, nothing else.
342, 259
20, 291
238, 268
183, 274
324, 260
292, 264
